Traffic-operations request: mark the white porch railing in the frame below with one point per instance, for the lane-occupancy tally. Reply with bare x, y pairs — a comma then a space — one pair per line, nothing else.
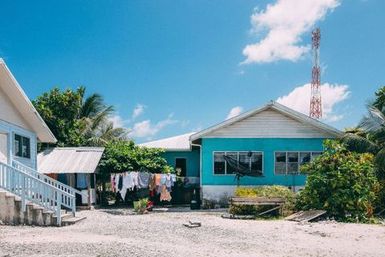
49, 180
32, 189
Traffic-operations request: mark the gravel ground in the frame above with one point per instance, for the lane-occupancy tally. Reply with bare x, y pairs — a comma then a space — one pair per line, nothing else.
117, 233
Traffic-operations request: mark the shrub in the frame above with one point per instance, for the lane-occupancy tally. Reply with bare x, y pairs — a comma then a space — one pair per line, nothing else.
341, 182
140, 206
263, 191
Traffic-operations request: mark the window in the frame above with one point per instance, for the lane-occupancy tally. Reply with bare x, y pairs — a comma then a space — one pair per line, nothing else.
250, 160
180, 166
230, 169
256, 161
280, 163
292, 163
287, 163
219, 163
22, 146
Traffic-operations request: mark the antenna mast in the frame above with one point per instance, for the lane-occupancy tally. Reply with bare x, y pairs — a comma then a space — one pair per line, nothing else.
315, 98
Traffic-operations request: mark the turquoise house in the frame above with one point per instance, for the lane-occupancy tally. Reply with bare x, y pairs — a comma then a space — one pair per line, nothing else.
273, 140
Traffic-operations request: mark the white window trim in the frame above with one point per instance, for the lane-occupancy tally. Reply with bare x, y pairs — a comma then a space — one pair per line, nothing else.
299, 164
233, 175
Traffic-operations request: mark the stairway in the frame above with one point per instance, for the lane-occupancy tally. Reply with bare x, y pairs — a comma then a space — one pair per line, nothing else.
28, 197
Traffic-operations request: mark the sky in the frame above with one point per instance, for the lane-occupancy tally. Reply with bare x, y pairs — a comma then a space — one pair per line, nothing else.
173, 67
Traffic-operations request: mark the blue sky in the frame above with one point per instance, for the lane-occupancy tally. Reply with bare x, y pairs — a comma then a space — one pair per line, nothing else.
182, 65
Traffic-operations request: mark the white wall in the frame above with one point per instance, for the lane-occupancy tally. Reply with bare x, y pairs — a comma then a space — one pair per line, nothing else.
9, 113
269, 123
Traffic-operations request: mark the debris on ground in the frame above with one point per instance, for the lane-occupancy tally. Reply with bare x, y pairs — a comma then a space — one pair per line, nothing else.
306, 216
192, 224
237, 217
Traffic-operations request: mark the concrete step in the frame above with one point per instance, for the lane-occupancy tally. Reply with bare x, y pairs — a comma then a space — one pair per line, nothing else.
71, 220
11, 211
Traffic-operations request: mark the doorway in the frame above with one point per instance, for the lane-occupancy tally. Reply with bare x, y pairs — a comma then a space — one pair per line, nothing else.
181, 167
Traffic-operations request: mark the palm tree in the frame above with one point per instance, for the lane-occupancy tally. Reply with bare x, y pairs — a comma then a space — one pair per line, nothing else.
369, 136
106, 133
95, 125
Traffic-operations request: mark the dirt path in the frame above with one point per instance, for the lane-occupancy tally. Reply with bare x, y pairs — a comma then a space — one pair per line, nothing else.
162, 234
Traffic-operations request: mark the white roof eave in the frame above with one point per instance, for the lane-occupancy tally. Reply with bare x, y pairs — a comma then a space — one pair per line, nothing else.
31, 115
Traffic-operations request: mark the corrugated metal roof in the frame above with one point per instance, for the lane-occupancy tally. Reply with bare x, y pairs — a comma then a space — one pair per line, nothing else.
69, 160
177, 143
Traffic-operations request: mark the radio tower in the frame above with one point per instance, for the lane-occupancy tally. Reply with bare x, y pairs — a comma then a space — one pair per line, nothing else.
315, 98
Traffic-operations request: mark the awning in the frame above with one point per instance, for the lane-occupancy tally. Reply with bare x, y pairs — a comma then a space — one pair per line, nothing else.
69, 160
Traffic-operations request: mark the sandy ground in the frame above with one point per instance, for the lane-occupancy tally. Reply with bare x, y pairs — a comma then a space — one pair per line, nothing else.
116, 233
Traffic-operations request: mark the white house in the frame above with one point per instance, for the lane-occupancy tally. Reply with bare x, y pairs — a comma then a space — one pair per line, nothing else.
21, 127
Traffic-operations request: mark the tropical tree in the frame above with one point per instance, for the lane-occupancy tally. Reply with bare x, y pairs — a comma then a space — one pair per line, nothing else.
60, 110
369, 136
341, 182
104, 133
76, 119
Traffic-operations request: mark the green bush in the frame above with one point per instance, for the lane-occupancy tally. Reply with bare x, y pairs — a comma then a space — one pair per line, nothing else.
341, 182
141, 205
263, 191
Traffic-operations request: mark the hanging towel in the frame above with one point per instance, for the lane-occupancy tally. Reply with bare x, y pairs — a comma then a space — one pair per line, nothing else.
168, 182
157, 179
135, 178
152, 184
120, 182
163, 179
144, 179
165, 195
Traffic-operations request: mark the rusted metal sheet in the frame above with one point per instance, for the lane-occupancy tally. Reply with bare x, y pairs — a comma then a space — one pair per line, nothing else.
305, 215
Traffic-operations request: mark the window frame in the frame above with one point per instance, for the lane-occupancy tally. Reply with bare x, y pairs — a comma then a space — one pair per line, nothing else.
287, 161
20, 144
232, 151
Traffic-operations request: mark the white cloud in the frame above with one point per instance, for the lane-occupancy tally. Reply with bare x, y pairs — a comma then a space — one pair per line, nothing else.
299, 99
235, 111
285, 22
138, 110
117, 121
147, 129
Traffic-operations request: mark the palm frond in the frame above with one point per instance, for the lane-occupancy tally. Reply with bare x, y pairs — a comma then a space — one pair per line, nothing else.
374, 122
92, 105
359, 143
102, 116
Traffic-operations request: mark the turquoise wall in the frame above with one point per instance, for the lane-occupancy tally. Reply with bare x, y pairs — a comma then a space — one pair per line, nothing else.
192, 161
266, 145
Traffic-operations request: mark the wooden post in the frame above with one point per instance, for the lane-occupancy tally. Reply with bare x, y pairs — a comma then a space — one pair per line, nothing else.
96, 202
89, 190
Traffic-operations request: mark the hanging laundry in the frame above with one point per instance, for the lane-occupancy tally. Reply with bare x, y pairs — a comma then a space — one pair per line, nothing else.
128, 181
135, 178
120, 182
157, 179
113, 183
152, 184
144, 179
165, 195
163, 178
168, 181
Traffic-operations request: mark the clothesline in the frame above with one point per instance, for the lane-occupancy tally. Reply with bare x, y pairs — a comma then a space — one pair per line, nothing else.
128, 181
